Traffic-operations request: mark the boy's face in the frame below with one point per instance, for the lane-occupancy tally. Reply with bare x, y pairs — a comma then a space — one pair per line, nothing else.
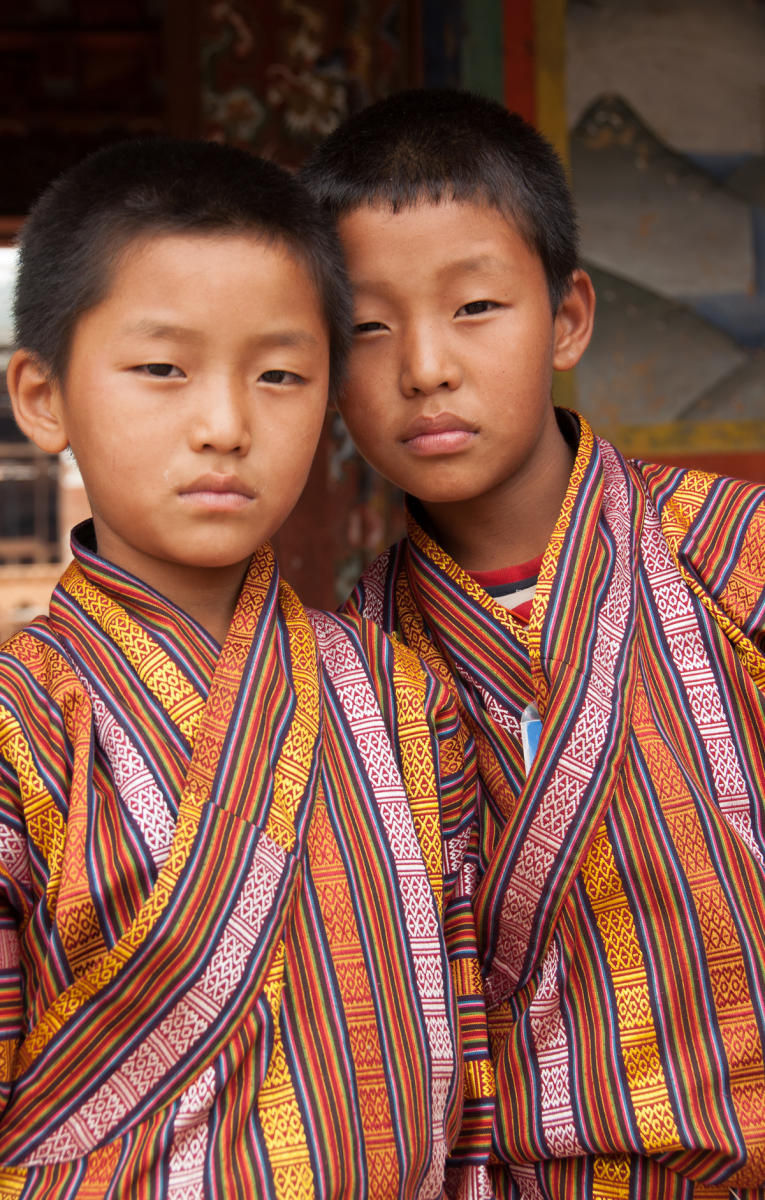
193, 401
449, 389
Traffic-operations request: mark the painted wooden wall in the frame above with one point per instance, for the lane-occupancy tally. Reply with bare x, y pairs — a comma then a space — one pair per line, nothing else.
276, 77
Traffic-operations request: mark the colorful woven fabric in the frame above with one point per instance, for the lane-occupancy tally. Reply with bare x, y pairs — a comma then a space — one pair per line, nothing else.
622, 900
225, 879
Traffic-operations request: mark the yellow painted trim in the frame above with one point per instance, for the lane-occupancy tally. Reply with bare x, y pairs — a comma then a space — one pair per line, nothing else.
680, 437
550, 72
552, 120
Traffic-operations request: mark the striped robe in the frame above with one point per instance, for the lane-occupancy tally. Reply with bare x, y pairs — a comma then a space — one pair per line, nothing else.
621, 904
224, 879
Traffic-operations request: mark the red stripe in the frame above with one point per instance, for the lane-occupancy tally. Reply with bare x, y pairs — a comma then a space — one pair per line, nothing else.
519, 71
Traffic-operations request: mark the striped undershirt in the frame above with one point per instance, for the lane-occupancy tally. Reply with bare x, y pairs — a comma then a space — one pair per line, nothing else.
513, 587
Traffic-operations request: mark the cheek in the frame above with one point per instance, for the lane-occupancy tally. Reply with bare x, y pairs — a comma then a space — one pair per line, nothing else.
368, 399
363, 427
291, 444
372, 369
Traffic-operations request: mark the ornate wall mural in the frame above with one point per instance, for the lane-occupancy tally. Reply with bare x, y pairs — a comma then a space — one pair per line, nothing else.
278, 78
668, 164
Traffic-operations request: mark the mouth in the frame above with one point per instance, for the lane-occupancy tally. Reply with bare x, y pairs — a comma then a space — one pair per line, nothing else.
445, 433
220, 493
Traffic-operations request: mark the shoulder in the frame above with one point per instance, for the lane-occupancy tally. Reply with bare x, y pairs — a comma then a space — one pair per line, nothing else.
704, 515
36, 677
715, 528
695, 499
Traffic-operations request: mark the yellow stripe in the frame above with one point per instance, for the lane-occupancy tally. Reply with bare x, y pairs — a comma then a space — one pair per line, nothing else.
417, 763
637, 1033
611, 1177
278, 1108
12, 1180
293, 769
151, 663
45, 825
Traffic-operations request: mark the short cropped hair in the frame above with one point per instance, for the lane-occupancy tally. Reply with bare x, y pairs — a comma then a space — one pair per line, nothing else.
441, 144
79, 226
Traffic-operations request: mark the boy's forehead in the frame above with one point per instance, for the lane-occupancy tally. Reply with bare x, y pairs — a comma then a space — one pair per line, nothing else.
450, 234
200, 285
152, 242
196, 251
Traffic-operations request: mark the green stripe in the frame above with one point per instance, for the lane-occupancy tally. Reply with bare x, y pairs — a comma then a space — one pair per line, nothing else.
481, 69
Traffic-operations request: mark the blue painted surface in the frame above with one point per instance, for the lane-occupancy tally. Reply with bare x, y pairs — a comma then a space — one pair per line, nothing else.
441, 43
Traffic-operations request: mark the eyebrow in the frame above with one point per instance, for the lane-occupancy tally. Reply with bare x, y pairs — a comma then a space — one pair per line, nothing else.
478, 262
459, 266
158, 329
275, 338
285, 337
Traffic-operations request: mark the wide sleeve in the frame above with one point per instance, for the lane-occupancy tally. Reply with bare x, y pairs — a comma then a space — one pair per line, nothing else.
16, 905
38, 694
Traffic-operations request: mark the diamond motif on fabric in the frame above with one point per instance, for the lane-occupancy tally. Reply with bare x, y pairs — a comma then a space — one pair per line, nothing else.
133, 780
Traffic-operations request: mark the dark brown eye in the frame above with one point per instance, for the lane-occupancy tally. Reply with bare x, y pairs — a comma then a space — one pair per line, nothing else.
161, 370
280, 376
476, 307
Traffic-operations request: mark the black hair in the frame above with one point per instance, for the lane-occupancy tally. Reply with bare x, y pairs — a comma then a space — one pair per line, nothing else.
441, 144
82, 222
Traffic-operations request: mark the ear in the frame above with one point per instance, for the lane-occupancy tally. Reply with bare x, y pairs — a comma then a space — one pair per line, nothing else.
573, 322
37, 402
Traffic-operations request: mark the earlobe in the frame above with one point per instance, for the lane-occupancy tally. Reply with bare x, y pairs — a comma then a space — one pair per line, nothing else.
37, 402
573, 322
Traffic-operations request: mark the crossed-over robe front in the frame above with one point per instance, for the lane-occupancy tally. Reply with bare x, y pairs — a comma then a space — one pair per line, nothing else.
621, 905
225, 875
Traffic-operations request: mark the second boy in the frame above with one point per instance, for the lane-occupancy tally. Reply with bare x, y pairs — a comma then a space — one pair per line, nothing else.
604, 624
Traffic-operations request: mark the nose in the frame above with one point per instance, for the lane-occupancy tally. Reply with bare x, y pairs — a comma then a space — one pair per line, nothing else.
223, 417
428, 364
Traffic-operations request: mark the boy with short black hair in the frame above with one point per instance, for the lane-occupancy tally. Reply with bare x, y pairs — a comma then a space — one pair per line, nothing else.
231, 833
603, 623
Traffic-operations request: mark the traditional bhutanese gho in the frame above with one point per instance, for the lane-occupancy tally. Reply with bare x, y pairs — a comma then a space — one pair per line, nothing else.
621, 904
226, 875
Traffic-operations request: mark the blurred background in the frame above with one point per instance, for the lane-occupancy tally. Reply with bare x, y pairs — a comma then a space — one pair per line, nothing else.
657, 107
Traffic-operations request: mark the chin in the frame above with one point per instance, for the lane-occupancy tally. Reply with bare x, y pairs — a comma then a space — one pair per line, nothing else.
444, 494
217, 560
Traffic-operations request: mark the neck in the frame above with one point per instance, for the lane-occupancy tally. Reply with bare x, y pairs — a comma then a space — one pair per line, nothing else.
208, 595
213, 602
510, 524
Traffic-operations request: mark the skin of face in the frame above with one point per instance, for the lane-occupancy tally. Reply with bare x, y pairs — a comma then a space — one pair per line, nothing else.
193, 401
449, 389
